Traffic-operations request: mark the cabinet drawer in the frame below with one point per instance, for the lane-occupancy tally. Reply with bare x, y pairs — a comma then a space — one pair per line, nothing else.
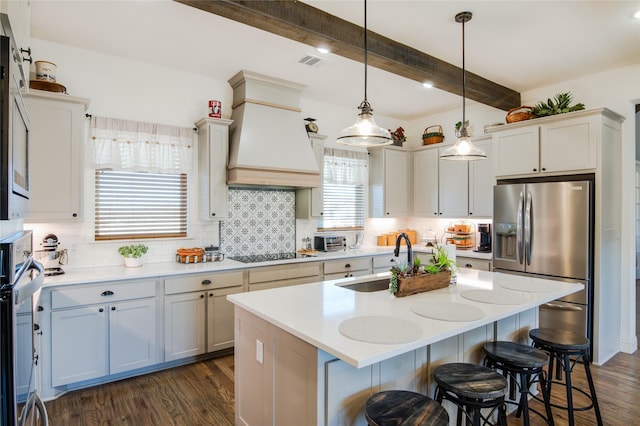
386, 261
284, 272
345, 265
102, 293
198, 282
473, 263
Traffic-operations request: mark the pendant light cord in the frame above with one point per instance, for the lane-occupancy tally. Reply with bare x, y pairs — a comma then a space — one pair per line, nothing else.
464, 80
365, 50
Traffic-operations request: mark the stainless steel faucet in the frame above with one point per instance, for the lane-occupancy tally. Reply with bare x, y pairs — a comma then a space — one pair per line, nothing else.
396, 252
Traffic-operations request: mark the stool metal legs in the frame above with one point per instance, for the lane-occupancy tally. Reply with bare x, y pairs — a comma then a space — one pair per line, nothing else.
471, 408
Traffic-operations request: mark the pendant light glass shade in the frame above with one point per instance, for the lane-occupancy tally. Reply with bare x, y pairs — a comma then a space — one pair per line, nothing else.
365, 132
463, 149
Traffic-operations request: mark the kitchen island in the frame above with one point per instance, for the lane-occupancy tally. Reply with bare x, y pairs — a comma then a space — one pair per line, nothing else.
313, 353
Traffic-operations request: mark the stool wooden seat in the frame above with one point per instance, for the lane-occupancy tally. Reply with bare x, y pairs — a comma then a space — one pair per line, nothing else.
404, 408
561, 346
472, 388
523, 366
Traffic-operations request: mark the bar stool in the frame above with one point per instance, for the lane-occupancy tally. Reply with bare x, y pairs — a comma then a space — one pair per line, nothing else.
561, 346
523, 366
472, 388
404, 408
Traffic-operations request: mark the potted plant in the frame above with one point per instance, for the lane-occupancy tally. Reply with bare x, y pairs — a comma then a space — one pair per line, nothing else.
398, 136
417, 278
132, 254
560, 104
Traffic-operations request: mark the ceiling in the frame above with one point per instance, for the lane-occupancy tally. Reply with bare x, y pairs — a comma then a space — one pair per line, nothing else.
519, 44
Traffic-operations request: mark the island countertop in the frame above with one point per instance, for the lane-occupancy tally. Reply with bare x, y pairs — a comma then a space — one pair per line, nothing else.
314, 312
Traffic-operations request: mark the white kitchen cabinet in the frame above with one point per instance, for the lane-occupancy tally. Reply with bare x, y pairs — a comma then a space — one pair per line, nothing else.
103, 329
55, 154
213, 154
453, 188
389, 183
349, 267
309, 201
19, 13
197, 316
425, 183
383, 263
481, 182
473, 263
275, 276
559, 144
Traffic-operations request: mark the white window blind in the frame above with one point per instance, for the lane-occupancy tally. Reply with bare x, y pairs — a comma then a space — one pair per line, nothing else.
344, 182
132, 205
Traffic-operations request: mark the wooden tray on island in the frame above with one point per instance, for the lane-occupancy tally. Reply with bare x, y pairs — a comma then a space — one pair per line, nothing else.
421, 283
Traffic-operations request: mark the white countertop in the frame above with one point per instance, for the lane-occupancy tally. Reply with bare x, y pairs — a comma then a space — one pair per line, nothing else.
314, 312
171, 268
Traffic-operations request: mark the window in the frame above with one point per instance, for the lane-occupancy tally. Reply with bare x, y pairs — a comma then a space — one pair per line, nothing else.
344, 182
141, 178
132, 205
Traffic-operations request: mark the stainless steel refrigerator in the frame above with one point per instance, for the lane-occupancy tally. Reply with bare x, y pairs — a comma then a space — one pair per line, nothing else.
545, 228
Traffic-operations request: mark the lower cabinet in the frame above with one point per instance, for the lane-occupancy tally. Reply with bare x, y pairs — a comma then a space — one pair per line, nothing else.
101, 330
267, 277
349, 267
197, 316
473, 263
384, 263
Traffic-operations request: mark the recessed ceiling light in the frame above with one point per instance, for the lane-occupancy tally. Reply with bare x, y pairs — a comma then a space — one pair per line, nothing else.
427, 84
637, 15
322, 50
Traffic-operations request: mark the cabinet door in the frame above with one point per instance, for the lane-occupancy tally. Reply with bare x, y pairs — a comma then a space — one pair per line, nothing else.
397, 185
347, 389
184, 325
132, 335
24, 357
481, 181
57, 129
516, 151
78, 344
425, 183
310, 201
473, 263
567, 145
220, 319
213, 152
453, 188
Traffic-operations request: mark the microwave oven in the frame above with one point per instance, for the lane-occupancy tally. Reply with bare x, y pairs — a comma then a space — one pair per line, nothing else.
14, 131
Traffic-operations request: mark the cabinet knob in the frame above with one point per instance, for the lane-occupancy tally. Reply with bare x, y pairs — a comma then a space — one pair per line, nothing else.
210, 294
213, 214
544, 169
470, 213
100, 310
348, 265
40, 308
202, 296
535, 170
392, 260
468, 265
36, 327
388, 213
440, 213
113, 308
206, 282
75, 215
435, 213
321, 213
107, 293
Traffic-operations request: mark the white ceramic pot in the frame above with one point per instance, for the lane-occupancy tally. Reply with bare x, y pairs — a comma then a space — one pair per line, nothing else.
45, 71
132, 262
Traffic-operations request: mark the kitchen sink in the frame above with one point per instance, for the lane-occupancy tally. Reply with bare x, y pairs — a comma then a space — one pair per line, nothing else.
368, 286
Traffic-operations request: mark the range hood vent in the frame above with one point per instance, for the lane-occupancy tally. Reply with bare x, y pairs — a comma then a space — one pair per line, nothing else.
269, 144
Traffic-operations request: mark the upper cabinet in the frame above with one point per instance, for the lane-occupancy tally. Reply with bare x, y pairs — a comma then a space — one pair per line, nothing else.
551, 145
55, 153
213, 153
389, 182
444, 188
309, 201
19, 13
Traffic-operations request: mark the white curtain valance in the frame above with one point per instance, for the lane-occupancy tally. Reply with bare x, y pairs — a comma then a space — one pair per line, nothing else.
140, 147
344, 167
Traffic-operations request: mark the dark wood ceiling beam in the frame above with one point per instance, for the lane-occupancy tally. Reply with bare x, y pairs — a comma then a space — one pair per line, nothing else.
300, 22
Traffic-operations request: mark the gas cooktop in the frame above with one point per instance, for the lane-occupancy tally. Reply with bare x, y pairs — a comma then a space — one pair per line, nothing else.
252, 258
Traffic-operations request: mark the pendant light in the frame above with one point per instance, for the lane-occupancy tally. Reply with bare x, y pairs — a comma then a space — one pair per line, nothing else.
463, 149
365, 132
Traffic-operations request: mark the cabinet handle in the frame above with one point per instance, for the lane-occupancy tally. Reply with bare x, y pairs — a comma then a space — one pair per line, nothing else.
392, 260
206, 282
388, 213
535, 170
440, 213
36, 327
435, 213
348, 265
75, 215
470, 213
544, 169
107, 293
113, 308
210, 294
40, 308
202, 296
100, 310
213, 214
468, 265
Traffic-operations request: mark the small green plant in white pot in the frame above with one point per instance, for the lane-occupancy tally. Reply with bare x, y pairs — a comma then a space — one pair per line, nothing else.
132, 254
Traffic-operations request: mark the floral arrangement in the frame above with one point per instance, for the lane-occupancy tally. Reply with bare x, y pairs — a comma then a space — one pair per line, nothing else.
398, 135
440, 262
133, 250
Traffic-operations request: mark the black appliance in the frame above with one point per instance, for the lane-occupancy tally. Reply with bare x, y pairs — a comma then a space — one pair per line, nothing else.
20, 280
484, 229
544, 227
14, 130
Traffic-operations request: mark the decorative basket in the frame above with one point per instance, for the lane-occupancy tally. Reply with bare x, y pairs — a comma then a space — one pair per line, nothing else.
429, 138
421, 283
515, 114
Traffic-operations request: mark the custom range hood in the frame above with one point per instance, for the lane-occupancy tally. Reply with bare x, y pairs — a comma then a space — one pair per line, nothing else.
269, 144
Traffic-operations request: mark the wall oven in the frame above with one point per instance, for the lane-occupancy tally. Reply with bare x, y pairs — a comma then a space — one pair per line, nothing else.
21, 278
14, 131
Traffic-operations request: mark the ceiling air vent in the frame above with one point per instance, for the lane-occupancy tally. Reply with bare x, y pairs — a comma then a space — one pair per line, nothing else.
312, 61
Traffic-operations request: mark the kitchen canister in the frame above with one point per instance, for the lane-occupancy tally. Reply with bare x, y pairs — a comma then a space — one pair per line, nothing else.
46, 71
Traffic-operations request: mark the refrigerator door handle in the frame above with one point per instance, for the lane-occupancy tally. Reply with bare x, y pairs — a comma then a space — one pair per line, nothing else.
527, 228
519, 230
562, 307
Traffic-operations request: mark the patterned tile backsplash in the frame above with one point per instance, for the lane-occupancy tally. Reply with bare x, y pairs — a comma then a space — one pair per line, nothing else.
259, 221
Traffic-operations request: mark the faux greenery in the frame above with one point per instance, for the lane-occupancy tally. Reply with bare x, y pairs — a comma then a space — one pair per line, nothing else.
440, 262
560, 104
133, 250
